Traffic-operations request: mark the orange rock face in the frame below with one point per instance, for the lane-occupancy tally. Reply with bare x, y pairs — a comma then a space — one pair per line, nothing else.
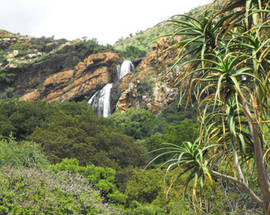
86, 76
152, 85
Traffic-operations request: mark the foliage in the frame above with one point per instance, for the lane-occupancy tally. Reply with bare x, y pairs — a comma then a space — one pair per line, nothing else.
21, 118
70, 55
69, 130
186, 130
176, 112
131, 52
139, 209
21, 154
225, 56
32, 191
46, 44
6, 77
136, 123
102, 178
144, 185
147, 193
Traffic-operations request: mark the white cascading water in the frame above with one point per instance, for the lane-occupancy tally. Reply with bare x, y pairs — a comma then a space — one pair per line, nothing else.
100, 101
126, 67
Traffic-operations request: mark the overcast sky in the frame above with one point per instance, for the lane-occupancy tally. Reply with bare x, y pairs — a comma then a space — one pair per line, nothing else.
105, 20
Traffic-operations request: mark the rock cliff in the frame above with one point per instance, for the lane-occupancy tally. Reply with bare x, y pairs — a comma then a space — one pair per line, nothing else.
78, 83
53, 70
59, 70
152, 86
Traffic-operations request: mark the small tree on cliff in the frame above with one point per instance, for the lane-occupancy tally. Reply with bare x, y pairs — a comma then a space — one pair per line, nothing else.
229, 77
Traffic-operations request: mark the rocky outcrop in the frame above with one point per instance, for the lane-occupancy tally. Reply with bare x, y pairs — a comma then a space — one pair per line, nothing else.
59, 70
152, 86
53, 70
74, 84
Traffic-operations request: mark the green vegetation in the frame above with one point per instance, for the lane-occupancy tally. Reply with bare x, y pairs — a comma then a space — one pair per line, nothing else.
31, 191
226, 58
28, 185
136, 123
143, 41
131, 52
69, 130
207, 158
21, 155
102, 178
76, 149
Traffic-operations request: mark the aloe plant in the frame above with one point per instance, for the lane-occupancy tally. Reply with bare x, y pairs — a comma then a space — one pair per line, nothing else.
225, 58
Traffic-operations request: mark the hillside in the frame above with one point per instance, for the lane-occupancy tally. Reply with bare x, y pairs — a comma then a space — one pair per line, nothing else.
144, 40
34, 69
93, 129
58, 70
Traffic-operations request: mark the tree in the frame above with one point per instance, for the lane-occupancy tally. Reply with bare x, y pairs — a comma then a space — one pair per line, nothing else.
225, 56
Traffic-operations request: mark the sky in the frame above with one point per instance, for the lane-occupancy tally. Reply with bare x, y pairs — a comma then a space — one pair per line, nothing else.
105, 20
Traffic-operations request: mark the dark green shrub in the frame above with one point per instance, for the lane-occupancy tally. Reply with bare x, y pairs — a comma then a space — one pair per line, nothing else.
139, 209
136, 123
89, 141
69, 130
23, 117
175, 112
175, 133
144, 185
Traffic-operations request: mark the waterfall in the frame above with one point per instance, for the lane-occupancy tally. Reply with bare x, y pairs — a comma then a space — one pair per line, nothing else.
126, 67
100, 101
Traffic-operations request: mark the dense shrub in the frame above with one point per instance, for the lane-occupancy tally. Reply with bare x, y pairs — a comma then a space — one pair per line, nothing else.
175, 112
139, 209
79, 137
102, 178
175, 133
69, 130
144, 185
21, 118
30, 191
136, 123
131, 52
21, 154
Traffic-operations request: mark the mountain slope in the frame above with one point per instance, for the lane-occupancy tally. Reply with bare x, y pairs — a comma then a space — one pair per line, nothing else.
144, 40
59, 70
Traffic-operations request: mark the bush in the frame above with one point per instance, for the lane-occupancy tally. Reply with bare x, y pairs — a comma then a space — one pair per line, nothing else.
131, 52
40, 192
144, 185
139, 209
175, 133
102, 178
69, 130
175, 112
136, 123
21, 118
21, 154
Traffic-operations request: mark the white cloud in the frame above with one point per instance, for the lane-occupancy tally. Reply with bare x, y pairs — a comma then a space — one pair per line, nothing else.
102, 19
